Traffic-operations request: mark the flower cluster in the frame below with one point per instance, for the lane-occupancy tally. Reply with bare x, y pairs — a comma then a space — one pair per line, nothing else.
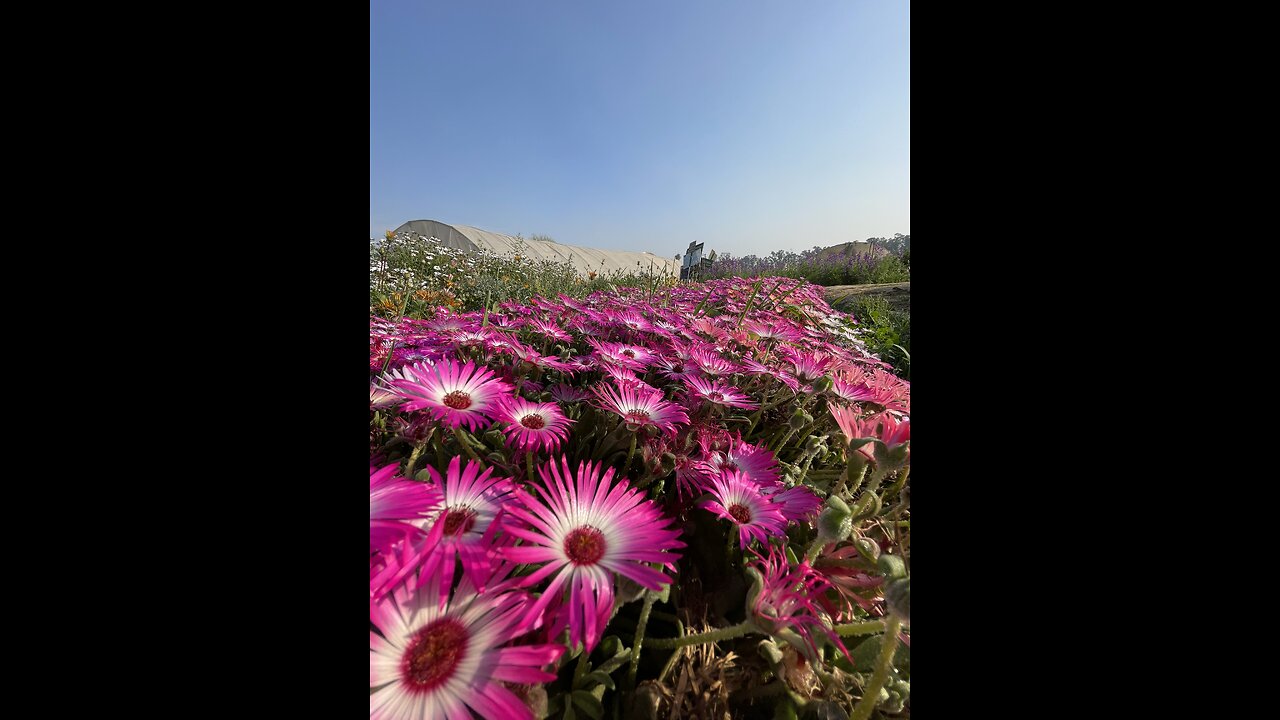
538, 465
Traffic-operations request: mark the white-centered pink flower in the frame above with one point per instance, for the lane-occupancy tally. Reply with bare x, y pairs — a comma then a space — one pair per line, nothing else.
586, 529
533, 426
457, 395
738, 499
639, 407
450, 661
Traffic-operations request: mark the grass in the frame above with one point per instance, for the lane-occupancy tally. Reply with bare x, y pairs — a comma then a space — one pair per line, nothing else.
887, 330
412, 276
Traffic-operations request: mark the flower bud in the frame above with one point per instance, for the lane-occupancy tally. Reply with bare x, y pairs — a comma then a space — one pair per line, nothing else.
797, 420
869, 549
495, 438
770, 651
835, 522
891, 567
822, 384
898, 597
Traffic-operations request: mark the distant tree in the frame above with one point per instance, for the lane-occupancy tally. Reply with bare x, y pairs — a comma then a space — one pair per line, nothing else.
543, 238
897, 245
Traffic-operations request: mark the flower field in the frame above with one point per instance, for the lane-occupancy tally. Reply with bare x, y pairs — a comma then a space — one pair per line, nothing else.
687, 501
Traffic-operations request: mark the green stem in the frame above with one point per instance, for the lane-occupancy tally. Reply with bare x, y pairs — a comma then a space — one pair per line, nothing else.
871, 694
785, 438
439, 445
638, 643
859, 628
812, 553
857, 479
581, 668
528, 464
608, 441
675, 655
897, 485
630, 454
466, 446
710, 636
804, 469
413, 458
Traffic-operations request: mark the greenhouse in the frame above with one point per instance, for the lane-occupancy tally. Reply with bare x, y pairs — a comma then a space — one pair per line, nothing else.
585, 260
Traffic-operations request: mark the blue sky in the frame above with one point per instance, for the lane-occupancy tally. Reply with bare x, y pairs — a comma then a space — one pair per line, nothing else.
751, 126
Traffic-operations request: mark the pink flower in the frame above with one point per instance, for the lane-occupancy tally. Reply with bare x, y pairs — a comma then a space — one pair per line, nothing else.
711, 363
718, 392
790, 599
450, 660
632, 357
883, 426
755, 462
850, 392
809, 366
464, 395
588, 529
568, 393
463, 528
380, 397
550, 330
639, 407
778, 330
677, 369
738, 499
533, 426
798, 503
393, 500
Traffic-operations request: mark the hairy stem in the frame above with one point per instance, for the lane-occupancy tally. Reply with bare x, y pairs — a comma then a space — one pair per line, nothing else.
871, 694
859, 628
710, 636
638, 643
458, 433
630, 454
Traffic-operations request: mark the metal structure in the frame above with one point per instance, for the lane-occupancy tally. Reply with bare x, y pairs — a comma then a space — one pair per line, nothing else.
584, 260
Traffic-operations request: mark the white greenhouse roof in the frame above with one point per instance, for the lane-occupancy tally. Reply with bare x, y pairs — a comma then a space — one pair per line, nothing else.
471, 239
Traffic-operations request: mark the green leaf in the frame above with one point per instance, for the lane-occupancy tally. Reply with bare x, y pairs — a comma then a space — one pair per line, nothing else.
615, 662
601, 678
611, 646
588, 703
865, 656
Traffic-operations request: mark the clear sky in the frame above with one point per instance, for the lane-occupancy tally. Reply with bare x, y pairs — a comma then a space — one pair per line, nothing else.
749, 125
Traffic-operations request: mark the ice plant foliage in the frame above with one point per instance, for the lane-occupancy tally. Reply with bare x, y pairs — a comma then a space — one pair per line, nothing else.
542, 471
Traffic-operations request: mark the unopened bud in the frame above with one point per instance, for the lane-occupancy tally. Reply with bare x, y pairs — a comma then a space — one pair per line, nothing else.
891, 567
867, 548
822, 384
667, 463
898, 597
770, 651
495, 438
835, 522
797, 420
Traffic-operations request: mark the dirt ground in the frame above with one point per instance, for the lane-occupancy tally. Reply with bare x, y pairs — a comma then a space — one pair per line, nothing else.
897, 294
